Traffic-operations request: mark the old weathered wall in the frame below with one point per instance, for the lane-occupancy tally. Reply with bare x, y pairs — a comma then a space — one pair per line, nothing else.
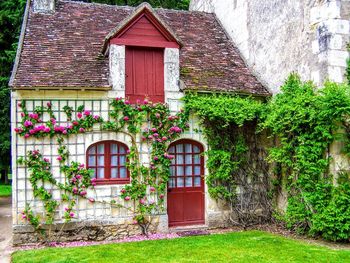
277, 37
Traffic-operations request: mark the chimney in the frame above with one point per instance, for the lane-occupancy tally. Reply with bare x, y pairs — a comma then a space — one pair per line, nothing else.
44, 6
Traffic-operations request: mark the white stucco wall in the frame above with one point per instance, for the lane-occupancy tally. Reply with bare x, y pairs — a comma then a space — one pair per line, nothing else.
277, 37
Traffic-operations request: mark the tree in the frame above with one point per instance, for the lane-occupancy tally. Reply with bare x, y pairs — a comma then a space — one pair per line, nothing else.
11, 12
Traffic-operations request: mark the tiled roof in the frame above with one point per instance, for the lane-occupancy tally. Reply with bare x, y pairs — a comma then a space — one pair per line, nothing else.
63, 50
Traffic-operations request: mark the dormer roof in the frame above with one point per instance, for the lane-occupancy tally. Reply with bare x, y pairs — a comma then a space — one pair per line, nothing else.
144, 15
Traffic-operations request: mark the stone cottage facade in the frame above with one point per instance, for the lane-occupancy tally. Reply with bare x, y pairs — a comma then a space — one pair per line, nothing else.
73, 54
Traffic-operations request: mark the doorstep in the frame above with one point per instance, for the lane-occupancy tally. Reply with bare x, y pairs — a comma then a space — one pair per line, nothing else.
190, 230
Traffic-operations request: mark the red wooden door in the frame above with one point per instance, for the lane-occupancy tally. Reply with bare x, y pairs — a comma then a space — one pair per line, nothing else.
144, 74
186, 184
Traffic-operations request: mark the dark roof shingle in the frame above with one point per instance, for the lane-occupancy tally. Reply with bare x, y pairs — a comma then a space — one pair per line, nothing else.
63, 50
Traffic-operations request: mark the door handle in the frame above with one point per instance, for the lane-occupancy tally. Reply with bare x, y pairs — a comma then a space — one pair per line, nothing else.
169, 190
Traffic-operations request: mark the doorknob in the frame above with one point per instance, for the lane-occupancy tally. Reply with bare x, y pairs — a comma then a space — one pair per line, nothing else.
169, 190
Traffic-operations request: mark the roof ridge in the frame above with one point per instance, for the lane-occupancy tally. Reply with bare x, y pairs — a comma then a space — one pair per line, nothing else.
96, 4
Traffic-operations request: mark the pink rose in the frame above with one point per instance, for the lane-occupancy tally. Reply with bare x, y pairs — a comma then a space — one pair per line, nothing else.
96, 117
93, 180
143, 138
161, 196
78, 176
66, 209
154, 130
157, 115
127, 198
71, 214
164, 138
79, 115
87, 113
82, 193
155, 158
64, 132
81, 130
142, 201
49, 104
91, 200
138, 101
145, 102
19, 104
59, 158
152, 189
46, 160
126, 118
22, 114
26, 135
47, 129
123, 191
24, 216
155, 135
75, 123
28, 123
126, 102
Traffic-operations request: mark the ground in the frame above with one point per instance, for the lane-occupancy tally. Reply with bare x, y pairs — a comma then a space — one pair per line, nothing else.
5, 190
5, 228
249, 246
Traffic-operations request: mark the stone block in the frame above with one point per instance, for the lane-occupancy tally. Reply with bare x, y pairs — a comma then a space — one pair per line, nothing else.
337, 58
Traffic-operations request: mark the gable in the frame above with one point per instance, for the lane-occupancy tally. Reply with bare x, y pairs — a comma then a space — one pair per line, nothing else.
144, 28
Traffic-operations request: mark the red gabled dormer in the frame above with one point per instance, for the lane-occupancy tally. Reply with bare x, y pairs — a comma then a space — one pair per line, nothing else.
145, 37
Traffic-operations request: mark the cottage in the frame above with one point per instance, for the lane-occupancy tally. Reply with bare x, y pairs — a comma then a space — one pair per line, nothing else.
74, 59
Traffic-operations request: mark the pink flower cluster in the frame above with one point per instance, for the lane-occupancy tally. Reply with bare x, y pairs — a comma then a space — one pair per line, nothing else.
175, 129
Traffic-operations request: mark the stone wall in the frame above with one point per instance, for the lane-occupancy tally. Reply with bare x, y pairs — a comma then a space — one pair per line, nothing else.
277, 37
96, 230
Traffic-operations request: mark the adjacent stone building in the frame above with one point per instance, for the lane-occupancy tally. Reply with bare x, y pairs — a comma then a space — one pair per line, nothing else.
277, 37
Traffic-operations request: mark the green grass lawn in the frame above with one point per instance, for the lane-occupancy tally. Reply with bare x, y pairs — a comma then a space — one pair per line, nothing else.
251, 246
5, 190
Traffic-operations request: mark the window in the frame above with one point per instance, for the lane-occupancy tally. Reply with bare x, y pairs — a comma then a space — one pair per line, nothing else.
108, 161
187, 166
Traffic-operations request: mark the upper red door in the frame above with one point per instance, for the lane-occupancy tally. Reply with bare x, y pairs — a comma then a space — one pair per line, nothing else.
186, 184
144, 74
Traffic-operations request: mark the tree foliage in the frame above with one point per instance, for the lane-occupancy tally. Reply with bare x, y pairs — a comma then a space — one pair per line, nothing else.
11, 12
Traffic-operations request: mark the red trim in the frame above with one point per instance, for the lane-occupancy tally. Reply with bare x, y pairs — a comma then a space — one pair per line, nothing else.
171, 43
107, 155
143, 43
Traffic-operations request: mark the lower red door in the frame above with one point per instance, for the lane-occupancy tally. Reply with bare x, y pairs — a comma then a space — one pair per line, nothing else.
186, 184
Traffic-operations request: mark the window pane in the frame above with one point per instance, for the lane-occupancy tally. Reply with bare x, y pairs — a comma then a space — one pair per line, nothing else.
197, 181
122, 160
188, 170
171, 149
114, 148
196, 149
179, 148
188, 181
172, 170
188, 158
197, 159
100, 173
172, 182
114, 173
197, 170
179, 159
123, 173
180, 170
101, 149
188, 148
92, 150
91, 161
100, 160
180, 182
114, 160
122, 150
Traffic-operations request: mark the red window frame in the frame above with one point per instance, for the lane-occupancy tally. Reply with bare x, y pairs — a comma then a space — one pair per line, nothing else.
107, 153
184, 164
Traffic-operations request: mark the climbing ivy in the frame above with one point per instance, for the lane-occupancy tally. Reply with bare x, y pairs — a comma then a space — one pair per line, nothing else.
229, 124
306, 122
